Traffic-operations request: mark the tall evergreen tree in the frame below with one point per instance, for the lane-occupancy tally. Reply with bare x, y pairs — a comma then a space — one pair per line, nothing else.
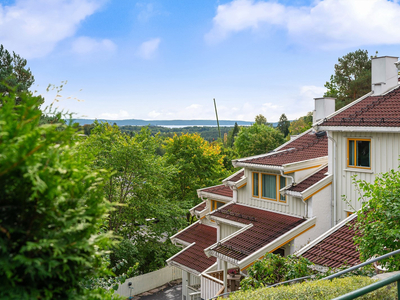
283, 125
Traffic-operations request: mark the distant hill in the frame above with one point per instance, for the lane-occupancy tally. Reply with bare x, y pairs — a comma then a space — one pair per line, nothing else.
136, 122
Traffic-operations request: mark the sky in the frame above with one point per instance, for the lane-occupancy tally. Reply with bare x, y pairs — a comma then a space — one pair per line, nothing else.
168, 59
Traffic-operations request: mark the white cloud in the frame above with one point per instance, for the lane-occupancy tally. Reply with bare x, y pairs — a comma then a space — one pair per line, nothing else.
147, 49
194, 106
153, 114
32, 28
86, 45
328, 23
121, 115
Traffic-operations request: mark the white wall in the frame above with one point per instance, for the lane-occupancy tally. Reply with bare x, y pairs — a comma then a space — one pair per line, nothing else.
292, 206
385, 151
320, 207
149, 281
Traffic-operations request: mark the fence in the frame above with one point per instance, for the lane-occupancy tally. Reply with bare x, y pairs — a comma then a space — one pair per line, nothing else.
149, 281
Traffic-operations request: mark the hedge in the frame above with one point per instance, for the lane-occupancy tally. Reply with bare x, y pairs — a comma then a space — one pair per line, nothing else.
318, 290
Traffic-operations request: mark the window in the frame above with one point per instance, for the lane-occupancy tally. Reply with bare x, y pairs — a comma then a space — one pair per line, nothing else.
268, 186
216, 204
359, 153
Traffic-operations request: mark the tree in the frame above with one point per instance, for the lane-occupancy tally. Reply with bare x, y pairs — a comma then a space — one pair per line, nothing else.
199, 164
51, 205
14, 76
260, 120
232, 134
352, 78
283, 125
302, 124
138, 185
257, 139
378, 220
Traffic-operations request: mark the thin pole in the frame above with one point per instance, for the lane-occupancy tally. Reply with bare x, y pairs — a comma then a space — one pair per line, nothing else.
216, 113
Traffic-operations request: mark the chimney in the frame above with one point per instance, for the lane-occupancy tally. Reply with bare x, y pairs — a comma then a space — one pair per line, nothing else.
384, 74
323, 108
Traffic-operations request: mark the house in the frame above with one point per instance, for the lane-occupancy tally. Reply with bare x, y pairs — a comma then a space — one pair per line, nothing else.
280, 202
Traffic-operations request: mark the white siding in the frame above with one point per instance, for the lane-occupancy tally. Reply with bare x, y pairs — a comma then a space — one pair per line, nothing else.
226, 230
384, 157
209, 288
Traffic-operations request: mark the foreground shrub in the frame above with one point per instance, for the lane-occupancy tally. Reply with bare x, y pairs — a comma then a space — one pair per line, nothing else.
51, 205
318, 290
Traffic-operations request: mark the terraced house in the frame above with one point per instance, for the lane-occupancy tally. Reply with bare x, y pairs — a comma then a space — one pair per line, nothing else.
290, 200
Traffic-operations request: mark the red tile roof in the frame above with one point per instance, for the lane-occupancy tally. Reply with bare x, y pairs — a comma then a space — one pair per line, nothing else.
221, 190
306, 147
267, 226
310, 181
194, 257
380, 111
336, 249
201, 206
237, 176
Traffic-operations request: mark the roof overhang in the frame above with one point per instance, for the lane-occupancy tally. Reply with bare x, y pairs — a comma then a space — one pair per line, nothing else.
203, 194
324, 235
200, 213
272, 246
359, 129
305, 164
312, 190
233, 175
170, 262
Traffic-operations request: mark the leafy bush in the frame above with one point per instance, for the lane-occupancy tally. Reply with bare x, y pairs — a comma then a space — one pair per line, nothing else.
50, 206
275, 268
317, 290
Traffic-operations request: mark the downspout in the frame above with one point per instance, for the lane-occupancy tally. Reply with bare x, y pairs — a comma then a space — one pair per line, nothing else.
334, 178
293, 182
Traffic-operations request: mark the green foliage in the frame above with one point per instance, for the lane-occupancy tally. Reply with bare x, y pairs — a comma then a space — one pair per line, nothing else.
51, 204
257, 139
149, 255
261, 120
302, 124
275, 268
379, 218
14, 77
283, 125
139, 184
318, 290
199, 164
232, 134
352, 78
208, 133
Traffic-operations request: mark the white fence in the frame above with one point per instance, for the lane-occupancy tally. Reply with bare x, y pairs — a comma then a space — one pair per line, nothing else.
149, 281
210, 286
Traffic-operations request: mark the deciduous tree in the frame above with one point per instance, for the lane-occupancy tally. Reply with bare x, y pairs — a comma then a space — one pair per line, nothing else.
257, 139
139, 184
378, 221
199, 164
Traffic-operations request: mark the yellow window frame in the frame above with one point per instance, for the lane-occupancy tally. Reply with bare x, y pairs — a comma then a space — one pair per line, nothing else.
277, 188
214, 204
355, 153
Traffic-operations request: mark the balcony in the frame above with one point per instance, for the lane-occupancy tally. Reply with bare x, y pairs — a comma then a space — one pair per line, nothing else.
212, 283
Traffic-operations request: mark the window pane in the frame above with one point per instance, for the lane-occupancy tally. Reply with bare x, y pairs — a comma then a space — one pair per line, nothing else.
363, 150
269, 186
255, 184
282, 184
219, 204
351, 153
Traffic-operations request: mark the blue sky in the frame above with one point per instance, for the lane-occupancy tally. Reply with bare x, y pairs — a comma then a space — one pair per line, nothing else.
168, 59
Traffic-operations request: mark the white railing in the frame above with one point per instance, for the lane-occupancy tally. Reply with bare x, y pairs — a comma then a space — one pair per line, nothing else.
149, 281
210, 286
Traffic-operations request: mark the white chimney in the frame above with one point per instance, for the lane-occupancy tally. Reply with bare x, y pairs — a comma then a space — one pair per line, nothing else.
323, 108
384, 74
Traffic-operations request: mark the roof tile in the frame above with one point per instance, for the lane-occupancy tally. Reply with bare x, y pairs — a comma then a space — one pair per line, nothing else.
310, 181
267, 226
221, 190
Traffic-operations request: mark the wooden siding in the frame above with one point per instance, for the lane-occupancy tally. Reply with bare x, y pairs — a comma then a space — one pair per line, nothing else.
385, 151
293, 206
226, 230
